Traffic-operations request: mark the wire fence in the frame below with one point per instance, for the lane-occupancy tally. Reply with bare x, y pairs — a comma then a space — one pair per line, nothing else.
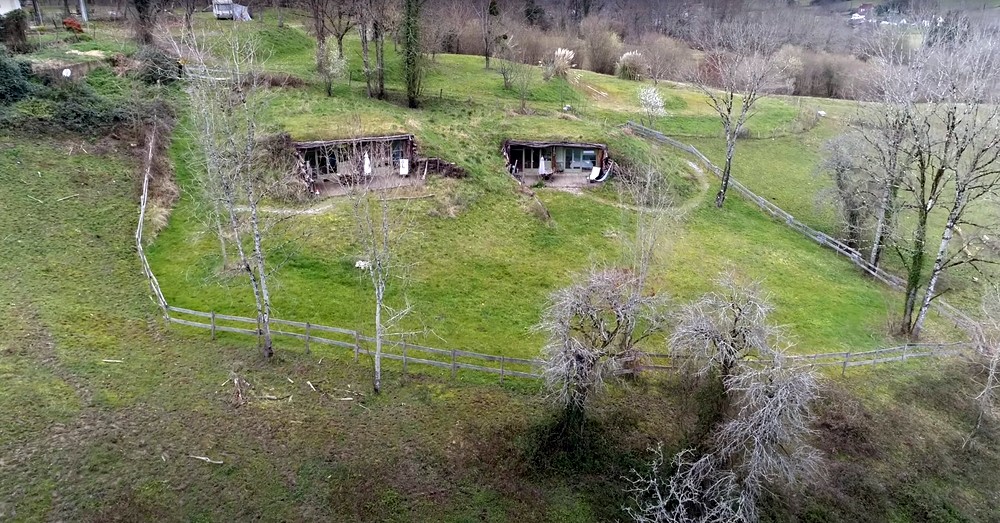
956, 316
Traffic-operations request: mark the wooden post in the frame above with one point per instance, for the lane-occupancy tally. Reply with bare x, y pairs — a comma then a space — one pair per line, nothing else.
357, 346
904, 352
404, 356
453, 364
847, 357
307, 337
501, 369
213, 322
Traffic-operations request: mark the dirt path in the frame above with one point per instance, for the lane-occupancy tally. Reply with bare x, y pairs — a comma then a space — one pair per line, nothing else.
678, 210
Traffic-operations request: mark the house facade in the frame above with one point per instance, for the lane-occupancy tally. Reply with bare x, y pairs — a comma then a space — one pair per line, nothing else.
548, 160
343, 162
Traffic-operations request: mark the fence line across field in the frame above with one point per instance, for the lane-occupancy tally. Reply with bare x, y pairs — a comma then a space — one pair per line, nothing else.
945, 309
654, 361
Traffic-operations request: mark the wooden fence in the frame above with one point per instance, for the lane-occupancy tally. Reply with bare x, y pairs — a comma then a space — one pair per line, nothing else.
456, 360
358, 344
459, 360
945, 309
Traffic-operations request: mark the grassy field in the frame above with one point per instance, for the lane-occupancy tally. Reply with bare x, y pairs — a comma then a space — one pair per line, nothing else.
85, 439
479, 280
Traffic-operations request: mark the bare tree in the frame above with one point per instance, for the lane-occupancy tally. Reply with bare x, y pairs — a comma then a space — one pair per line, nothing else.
379, 228
737, 65
374, 21
952, 139
885, 128
853, 189
596, 325
227, 107
594, 328
342, 18
988, 354
765, 441
489, 20
523, 76
698, 491
762, 443
725, 329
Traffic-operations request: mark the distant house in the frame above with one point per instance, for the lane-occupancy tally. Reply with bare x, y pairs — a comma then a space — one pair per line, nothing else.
545, 160
340, 162
7, 6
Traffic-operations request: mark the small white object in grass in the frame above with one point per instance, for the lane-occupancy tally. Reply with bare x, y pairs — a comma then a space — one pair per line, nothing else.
67, 73
112, 361
362, 264
821, 113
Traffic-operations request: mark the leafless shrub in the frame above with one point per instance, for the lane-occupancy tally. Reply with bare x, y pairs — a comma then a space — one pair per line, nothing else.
667, 58
762, 445
724, 329
698, 491
603, 46
854, 191
988, 352
765, 441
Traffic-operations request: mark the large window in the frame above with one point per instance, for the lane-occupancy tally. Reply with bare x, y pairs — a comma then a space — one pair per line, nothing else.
583, 159
322, 160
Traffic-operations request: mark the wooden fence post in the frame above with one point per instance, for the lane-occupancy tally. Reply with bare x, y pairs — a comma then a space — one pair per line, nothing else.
213, 325
307, 337
357, 346
846, 358
404, 356
453, 364
501, 369
904, 352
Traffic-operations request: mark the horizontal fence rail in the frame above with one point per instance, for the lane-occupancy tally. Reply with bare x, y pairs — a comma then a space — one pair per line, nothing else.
359, 344
945, 309
457, 360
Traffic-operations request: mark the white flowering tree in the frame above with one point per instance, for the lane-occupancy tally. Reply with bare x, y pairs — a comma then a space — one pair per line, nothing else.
651, 103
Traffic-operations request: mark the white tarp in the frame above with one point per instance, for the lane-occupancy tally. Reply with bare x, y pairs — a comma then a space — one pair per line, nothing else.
368, 165
404, 167
240, 12
7, 6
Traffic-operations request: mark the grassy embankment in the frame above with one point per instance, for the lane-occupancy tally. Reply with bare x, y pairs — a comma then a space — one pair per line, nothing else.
86, 440
479, 280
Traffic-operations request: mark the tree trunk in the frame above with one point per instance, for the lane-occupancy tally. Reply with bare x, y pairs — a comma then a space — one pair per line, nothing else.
720, 198
83, 11
884, 218
66, 8
379, 62
365, 58
914, 271
264, 302
946, 236
379, 296
340, 45
37, 9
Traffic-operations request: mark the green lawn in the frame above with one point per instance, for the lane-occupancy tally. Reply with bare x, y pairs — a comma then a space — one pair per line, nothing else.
83, 439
